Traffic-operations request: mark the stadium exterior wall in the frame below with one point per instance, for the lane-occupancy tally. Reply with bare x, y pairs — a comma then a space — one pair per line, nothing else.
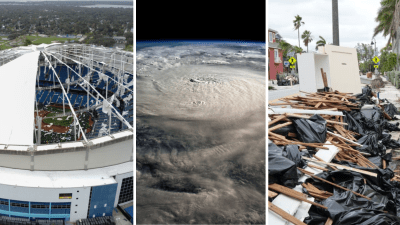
119, 179
79, 201
106, 153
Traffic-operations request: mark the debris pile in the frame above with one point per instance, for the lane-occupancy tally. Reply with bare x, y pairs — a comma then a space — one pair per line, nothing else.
332, 150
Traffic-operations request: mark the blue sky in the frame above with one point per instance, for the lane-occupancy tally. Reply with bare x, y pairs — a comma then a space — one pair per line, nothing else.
356, 20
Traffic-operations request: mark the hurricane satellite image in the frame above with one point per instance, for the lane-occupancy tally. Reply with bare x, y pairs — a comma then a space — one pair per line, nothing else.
200, 145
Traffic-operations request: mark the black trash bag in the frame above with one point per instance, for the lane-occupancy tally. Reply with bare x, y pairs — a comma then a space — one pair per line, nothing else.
315, 217
373, 113
365, 96
312, 130
353, 124
371, 140
360, 216
377, 160
391, 110
280, 169
367, 149
390, 126
292, 152
345, 200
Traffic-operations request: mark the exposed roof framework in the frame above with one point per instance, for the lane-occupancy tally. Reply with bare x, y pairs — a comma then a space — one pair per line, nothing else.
24, 63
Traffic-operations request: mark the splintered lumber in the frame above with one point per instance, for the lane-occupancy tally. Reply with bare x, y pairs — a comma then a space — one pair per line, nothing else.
396, 158
272, 194
312, 188
294, 194
338, 186
279, 118
341, 166
324, 78
345, 139
318, 167
284, 214
329, 221
279, 126
282, 138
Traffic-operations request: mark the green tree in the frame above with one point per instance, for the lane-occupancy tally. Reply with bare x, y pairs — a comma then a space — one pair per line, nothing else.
307, 38
388, 61
297, 24
297, 49
320, 42
386, 19
27, 42
285, 46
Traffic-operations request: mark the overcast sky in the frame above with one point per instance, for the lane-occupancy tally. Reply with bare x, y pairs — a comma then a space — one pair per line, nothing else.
356, 21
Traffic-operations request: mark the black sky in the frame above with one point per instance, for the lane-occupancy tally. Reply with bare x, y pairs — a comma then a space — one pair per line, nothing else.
194, 20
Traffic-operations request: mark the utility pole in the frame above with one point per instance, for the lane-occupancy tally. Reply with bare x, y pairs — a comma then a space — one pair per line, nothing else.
335, 22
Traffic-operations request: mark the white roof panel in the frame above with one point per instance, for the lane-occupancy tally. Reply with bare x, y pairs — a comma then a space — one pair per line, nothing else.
17, 96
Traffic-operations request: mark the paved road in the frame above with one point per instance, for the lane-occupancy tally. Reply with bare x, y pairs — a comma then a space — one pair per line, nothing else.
282, 92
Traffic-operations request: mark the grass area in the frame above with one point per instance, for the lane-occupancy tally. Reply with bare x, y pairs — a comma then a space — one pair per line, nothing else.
47, 40
271, 88
55, 121
56, 109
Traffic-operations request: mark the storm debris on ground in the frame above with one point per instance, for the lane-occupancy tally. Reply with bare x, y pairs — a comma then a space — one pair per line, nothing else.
331, 152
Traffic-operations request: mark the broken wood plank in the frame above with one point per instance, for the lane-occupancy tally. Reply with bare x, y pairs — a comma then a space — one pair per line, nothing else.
336, 185
294, 194
341, 166
329, 221
317, 167
272, 194
279, 118
284, 214
279, 126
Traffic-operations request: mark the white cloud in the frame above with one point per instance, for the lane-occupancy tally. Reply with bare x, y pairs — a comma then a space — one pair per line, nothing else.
356, 21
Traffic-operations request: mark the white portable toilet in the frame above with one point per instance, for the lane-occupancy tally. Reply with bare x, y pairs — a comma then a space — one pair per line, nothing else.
340, 65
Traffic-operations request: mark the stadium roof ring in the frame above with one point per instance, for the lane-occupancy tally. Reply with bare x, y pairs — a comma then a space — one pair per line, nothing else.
67, 107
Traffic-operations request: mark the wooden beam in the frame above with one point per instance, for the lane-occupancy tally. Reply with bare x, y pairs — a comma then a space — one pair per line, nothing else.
333, 184
329, 221
279, 126
284, 214
341, 166
294, 194
272, 194
277, 119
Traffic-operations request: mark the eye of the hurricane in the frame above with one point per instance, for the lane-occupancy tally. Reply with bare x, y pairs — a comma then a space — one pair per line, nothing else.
65, 96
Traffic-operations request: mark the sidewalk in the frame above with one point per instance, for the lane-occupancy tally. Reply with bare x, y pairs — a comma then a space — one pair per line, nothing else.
282, 91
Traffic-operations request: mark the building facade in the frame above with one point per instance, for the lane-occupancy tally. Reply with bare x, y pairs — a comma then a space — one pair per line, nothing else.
275, 55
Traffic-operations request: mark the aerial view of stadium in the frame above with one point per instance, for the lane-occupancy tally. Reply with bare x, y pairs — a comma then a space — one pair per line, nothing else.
66, 134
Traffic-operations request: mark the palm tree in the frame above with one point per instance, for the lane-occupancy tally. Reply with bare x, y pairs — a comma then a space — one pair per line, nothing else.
307, 38
320, 42
297, 24
285, 46
388, 19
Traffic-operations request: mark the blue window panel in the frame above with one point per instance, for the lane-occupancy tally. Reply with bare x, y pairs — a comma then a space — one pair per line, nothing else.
40, 208
103, 198
19, 206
